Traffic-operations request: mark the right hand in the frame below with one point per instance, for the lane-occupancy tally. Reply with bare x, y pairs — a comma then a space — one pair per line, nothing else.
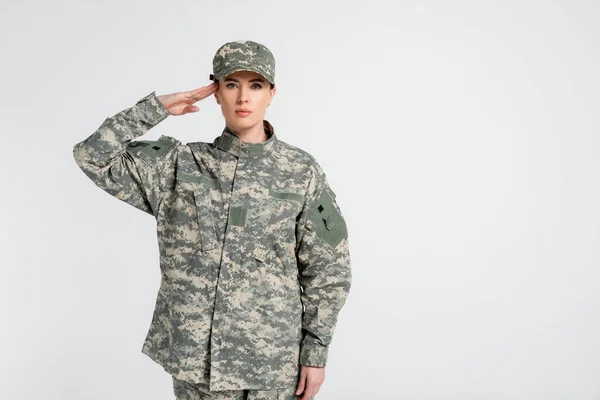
182, 102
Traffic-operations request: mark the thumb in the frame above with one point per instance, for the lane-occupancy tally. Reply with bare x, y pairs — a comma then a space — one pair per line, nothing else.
302, 382
190, 109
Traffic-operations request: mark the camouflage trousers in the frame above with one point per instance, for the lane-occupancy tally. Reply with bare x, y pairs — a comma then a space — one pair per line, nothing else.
198, 391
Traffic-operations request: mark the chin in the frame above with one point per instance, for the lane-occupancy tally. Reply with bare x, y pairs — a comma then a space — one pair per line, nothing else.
244, 123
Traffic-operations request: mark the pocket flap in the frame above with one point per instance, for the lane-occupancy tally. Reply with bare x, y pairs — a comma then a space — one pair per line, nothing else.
209, 182
286, 195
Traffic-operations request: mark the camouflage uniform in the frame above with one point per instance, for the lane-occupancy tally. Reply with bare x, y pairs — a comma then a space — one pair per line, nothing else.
254, 256
200, 391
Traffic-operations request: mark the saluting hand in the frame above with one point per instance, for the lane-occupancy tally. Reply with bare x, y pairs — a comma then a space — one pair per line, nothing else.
183, 102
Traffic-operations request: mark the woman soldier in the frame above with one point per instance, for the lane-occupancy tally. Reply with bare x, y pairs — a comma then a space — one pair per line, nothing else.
254, 256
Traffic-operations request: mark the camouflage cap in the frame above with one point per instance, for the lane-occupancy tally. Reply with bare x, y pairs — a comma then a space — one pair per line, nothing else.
243, 55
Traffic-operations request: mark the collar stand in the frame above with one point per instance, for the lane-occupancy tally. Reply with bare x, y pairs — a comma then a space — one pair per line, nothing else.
231, 143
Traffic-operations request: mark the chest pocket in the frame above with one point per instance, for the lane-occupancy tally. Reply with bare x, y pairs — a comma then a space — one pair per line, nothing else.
198, 188
279, 210
284, 207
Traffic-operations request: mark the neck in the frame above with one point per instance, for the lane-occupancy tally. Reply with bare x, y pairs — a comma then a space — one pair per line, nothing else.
252, 134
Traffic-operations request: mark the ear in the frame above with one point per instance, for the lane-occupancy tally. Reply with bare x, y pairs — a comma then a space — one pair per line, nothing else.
217, 98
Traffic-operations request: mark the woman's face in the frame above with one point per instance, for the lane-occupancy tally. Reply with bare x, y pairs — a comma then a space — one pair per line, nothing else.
244, 90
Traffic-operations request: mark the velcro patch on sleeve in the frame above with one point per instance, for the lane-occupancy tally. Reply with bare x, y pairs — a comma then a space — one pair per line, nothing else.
329, 223
150, 151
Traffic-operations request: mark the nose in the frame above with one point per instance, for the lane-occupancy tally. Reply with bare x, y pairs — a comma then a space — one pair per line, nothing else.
242, 95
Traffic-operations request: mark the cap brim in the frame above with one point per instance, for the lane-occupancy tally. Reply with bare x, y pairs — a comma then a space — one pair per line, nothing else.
237, 68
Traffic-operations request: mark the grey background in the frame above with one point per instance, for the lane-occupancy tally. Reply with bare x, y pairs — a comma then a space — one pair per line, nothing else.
460, 137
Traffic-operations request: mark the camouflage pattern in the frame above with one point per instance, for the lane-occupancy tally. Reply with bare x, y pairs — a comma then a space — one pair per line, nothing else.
244, 55
254, 256
200, 391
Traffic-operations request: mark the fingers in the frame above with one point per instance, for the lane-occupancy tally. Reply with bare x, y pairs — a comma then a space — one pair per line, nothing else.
308, 393
190, 109
201, 93
307, 388
302, 383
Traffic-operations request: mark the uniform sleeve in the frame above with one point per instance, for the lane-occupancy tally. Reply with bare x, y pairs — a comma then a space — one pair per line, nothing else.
132, 171
324, 269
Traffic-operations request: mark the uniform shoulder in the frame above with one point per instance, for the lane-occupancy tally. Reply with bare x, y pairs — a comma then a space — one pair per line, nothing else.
298, 154
165, 143
162, 141
153, 150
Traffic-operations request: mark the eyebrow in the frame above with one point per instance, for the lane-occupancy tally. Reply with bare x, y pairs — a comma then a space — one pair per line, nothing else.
251, 80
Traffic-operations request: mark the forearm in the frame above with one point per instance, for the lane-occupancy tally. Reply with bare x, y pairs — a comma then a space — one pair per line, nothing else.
324, 295
104, 147
126, 169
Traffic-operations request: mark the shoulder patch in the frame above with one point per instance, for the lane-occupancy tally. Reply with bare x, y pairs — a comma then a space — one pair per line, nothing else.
327, 218
150, 150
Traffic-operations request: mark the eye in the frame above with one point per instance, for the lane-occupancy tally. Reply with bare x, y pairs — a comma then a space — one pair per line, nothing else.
257, 84
230, 84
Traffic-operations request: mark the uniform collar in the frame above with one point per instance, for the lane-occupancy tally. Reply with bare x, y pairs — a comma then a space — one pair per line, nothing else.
231, 143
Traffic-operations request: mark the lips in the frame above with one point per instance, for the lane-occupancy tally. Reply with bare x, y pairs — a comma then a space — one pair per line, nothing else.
243, 113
